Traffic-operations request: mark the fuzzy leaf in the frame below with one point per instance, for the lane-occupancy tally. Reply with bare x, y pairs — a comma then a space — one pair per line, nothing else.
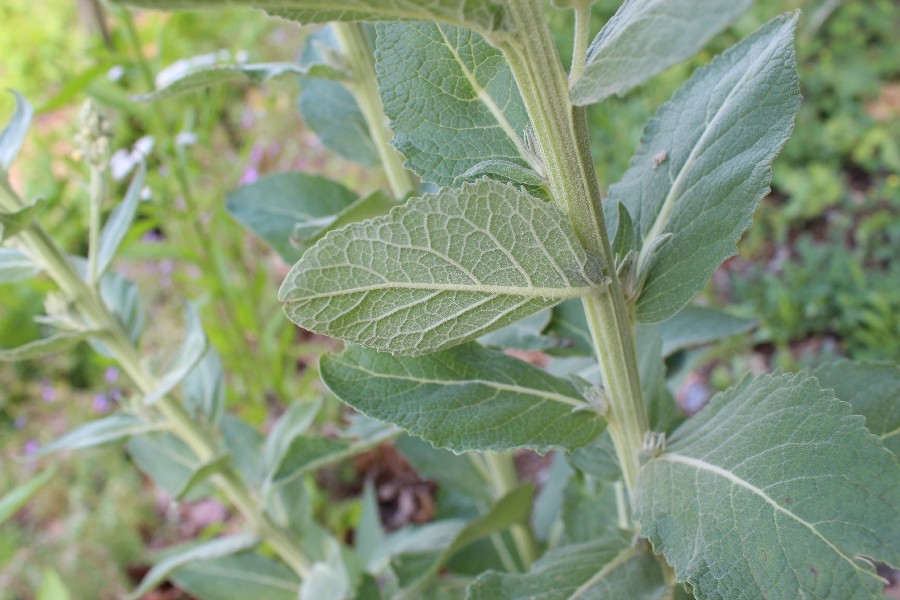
12, 500
108, 429
190, 353
199, 79
217, 548
278, 207
646, 37
720, 132
119, 222
873, 390
484, 15
332, 113
610, 567
57, 342
451, 99
14, 221
440, 270
774, 490
13, 135
238, 577
466, 398
696, 326
15, 266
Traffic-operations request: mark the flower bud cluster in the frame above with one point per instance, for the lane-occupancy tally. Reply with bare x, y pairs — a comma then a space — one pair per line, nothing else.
94, 135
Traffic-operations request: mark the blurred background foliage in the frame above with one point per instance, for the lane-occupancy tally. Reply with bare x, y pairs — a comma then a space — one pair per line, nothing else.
819, 269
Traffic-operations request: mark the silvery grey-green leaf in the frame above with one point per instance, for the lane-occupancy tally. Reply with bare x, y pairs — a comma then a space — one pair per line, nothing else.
465, 398
873, 390
774, 490
720, 133
13, 135
483, 15
59, 341
285, 208
239, 576
610, 567
697, 325
646, 37
15, 266
102, 431
451, 99
119, 222
440, 270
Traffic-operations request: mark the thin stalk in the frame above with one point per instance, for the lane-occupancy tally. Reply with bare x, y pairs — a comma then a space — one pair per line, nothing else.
97, 195
355, 44
87, 301
582, 34
562, 135
503, 479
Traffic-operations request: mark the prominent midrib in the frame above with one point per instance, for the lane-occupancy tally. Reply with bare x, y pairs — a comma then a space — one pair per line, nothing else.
620, 559
503, 387
669, 203
545, 293
485, 98
705, 466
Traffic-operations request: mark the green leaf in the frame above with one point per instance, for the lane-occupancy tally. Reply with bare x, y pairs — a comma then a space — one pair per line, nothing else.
590, 509
512, 509
58, 342
165, 459
15, 266
502, 170
120, 221
720, 133
123, 298
525, 334
14, 221
569, 325
485, 15
332, 113
295, 421
201, 473
696, 325
196, 79
217, 548
329, 578
277, 206
189, 354
304, 454
373, 205
774, 490
467, 398
646, 37
244, 443
873, 391
440, 270
611, 567
103, 431
451, 471
369, 534
204, 389
624, 238
16, 498
451, 99
238, 577
328, 108
14, 133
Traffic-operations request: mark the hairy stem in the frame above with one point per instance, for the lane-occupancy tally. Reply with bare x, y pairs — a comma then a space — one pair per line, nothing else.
582, 34
355, 43
87, 301
562, 135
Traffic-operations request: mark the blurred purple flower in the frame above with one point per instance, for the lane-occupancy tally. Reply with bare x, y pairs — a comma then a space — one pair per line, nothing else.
31, 446
152, 236
101, 403
111, 375
48, 394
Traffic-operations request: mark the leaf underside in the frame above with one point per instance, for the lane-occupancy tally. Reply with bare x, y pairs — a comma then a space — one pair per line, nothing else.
440, 270
773, 491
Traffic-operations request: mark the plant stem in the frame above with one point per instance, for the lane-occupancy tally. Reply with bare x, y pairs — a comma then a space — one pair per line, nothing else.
562, 135
97, 195
354, 42
582, 34
87, 300
503, 479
